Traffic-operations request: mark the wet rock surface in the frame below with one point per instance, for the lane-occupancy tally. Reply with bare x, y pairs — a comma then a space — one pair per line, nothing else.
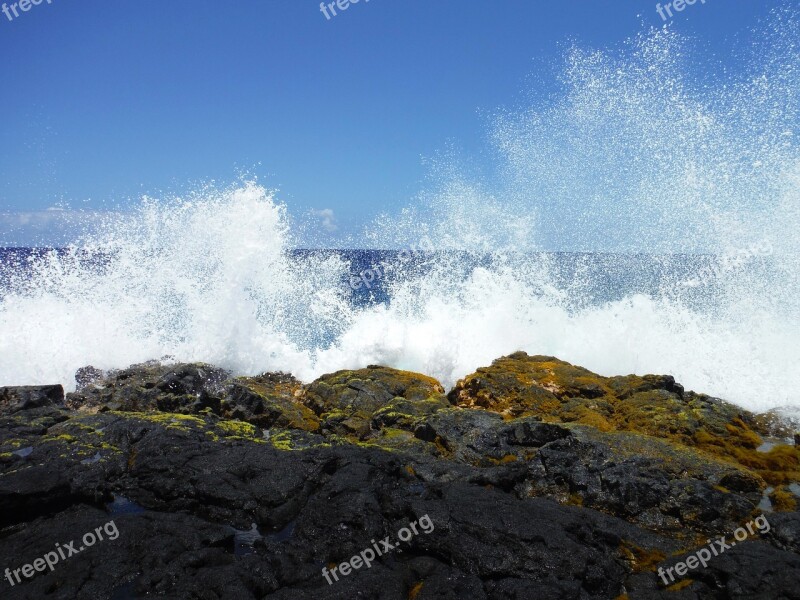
15, 399
539, 479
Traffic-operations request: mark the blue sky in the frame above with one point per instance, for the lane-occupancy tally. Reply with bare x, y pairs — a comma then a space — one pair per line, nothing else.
105, 101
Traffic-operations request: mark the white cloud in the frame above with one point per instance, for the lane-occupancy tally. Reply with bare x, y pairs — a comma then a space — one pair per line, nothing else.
50, 227
328, 219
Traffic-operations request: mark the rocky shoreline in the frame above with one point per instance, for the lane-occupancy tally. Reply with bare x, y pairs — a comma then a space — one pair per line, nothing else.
540, 479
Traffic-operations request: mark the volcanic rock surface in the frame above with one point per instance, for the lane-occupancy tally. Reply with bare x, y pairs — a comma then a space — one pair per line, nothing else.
540, 479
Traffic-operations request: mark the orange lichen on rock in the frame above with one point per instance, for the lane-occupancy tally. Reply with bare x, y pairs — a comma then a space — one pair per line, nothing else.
556, 391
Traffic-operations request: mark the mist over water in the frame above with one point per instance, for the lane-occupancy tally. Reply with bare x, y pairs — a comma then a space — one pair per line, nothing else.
635, 156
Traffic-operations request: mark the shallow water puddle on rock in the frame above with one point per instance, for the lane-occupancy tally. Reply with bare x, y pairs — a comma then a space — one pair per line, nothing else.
282, 535
92, 460
126, 591
244, 540
23, 452
769, 444
766, 504
417, 488
122, 506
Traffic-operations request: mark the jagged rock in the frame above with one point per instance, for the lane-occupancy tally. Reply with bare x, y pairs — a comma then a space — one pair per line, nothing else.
742, 481
541, 480
345, 401
785, 530
326, 498
553, 390
86, 376
723, 577
270, 400
181, 388
15, 399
